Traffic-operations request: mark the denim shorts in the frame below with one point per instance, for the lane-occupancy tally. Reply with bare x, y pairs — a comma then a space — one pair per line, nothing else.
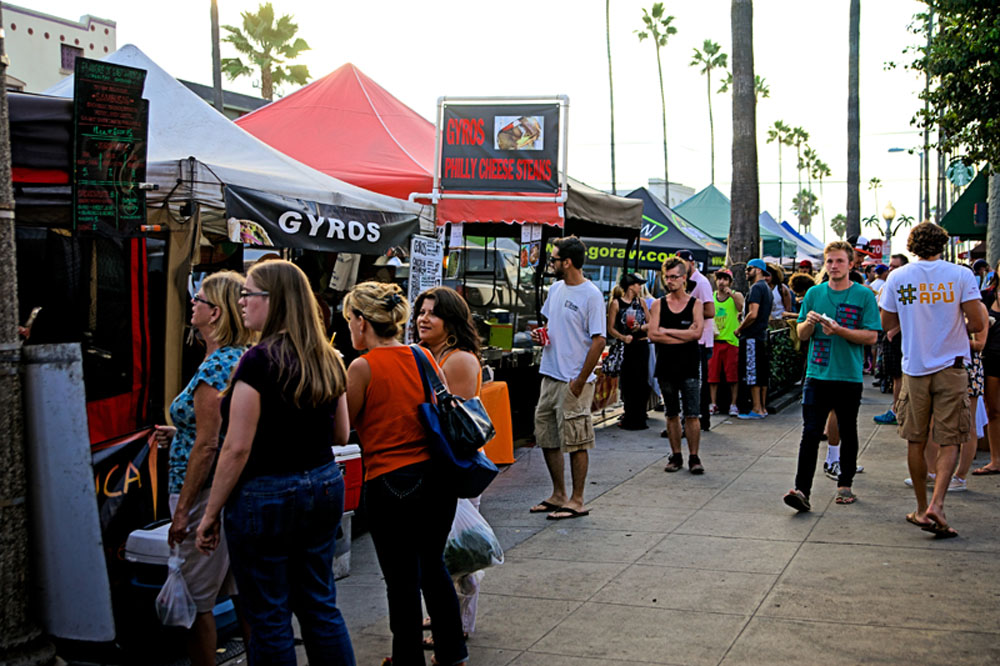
689, 391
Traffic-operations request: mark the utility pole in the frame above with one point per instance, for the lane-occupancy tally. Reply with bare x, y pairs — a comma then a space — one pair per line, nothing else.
925, 157
216, 58
21, 641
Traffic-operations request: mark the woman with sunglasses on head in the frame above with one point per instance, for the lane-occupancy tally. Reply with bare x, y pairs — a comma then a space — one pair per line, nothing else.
194, 442
410, 508
445, 327
276, 476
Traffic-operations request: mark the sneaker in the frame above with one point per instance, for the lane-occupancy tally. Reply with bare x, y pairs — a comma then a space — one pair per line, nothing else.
832, 470
675, 463
752, 416
797, 500
930, 481
889, 418
734, 410
694, 464
956, 485
713, 410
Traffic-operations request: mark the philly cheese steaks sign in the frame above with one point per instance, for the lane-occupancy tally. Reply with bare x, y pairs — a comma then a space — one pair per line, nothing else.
499, 147
277, 221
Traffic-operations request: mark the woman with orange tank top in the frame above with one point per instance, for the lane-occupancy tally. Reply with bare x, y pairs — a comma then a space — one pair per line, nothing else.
445, 327
410, 508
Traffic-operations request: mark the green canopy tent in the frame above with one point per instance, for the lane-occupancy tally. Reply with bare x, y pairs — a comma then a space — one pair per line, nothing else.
967, 217
709, 210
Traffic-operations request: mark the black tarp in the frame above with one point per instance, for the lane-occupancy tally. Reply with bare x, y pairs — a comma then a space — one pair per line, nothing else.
660, 238
279, 221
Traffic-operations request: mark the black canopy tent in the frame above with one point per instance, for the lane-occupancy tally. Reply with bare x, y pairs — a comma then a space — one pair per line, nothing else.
660, 237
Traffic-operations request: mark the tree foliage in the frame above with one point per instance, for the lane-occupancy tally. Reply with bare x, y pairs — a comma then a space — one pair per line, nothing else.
963, 62
710, 57
839, 224
805, 208
268, 46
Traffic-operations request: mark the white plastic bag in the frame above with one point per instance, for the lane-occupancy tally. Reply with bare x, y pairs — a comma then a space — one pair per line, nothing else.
471, 545
174, 604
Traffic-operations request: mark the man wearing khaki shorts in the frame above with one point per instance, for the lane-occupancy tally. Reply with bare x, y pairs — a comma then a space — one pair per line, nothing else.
574, 339
936, 305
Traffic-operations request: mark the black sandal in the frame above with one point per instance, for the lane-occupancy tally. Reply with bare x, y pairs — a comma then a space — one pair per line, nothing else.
675, 463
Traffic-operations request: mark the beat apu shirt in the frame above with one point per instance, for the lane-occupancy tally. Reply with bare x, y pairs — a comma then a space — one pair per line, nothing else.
831, 357
575, 314
927, 296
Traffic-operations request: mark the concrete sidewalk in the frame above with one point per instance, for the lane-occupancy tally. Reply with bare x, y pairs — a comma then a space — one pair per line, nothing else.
715, 569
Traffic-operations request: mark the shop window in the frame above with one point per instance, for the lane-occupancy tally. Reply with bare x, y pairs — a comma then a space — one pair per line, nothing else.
69, 56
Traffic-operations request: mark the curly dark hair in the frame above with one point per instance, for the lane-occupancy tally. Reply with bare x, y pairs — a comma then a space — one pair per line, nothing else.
451, 308
927, 240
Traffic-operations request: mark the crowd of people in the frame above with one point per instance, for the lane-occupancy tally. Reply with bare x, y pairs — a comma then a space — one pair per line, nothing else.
256, 495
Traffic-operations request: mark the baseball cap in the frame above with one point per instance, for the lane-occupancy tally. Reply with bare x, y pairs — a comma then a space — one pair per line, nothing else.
805, 263
724, 272
979, 263
757, 263
861, 242
686, 255
632, 278
881, 268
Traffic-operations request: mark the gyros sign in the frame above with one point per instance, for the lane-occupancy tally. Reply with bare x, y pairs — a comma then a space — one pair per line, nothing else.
291, 223
262, 218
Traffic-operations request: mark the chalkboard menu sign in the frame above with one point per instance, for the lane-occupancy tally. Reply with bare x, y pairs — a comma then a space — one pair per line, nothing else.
110, 121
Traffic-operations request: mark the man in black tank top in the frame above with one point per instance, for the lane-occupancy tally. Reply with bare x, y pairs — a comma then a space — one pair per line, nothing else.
676, 324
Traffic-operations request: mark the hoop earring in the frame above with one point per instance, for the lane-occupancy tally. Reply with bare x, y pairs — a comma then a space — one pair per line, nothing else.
451, 341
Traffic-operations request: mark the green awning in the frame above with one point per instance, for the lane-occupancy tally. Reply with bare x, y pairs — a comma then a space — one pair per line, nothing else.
960, 220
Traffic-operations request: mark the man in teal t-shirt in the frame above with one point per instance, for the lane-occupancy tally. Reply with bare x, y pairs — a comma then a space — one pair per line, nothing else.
837, 319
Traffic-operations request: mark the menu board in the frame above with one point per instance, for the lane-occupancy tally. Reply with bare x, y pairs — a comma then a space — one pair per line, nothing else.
426, 264
110, 121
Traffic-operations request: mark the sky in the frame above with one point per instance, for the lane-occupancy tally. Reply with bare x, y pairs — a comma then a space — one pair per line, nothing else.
421, 50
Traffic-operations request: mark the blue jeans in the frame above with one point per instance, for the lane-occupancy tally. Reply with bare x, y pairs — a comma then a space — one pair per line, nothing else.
281, 532
410, 512
819, 398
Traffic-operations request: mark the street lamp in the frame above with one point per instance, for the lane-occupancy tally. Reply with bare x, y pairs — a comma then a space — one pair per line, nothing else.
888, 214
920, 195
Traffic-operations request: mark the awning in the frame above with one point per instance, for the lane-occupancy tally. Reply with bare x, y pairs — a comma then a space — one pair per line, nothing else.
961, 220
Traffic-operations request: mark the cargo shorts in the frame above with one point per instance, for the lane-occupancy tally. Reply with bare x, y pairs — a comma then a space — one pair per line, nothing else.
943, 395
562, 420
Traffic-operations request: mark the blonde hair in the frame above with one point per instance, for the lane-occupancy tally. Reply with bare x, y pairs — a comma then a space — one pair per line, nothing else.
381, 304
617, 292
295, 337
777, 274
842, 246
223, 289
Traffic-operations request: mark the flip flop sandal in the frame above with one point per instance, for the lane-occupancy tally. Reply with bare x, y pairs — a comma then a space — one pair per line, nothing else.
797, 500
427, 623
571, 513
545, 507
912, 519
985, 471
428, 641
940, 531
845, 496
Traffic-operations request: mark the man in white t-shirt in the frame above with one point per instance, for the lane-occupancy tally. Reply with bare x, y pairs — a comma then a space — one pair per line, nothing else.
576, 329
702, 290
936, 304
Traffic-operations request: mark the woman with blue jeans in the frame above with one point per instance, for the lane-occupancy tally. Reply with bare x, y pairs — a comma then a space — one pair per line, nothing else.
276, 475
410, 509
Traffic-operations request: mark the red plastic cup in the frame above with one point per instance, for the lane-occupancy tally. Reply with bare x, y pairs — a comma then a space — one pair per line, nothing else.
543, 335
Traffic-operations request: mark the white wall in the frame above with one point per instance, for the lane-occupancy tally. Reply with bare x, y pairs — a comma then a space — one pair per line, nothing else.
34, 44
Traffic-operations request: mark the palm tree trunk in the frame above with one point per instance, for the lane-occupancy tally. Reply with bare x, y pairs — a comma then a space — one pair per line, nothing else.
266, 84
853, 126
822, 207
611, 91
744, 230
711, 123
663, 105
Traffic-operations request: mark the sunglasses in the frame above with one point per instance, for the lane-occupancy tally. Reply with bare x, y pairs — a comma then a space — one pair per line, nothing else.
247, 294
199, 299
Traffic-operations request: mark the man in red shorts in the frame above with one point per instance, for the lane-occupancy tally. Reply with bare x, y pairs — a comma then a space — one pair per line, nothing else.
722, 366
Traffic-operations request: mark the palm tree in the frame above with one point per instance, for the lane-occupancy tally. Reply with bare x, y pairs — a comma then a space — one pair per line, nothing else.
744, 229
874, 184
779, 132
658, 28
839, 224
709, 58
611, 90
804, 206
798, 138
809, 158
820, 171
268, 45
853, 125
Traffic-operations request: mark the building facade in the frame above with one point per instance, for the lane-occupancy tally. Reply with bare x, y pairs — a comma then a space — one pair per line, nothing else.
43, 48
